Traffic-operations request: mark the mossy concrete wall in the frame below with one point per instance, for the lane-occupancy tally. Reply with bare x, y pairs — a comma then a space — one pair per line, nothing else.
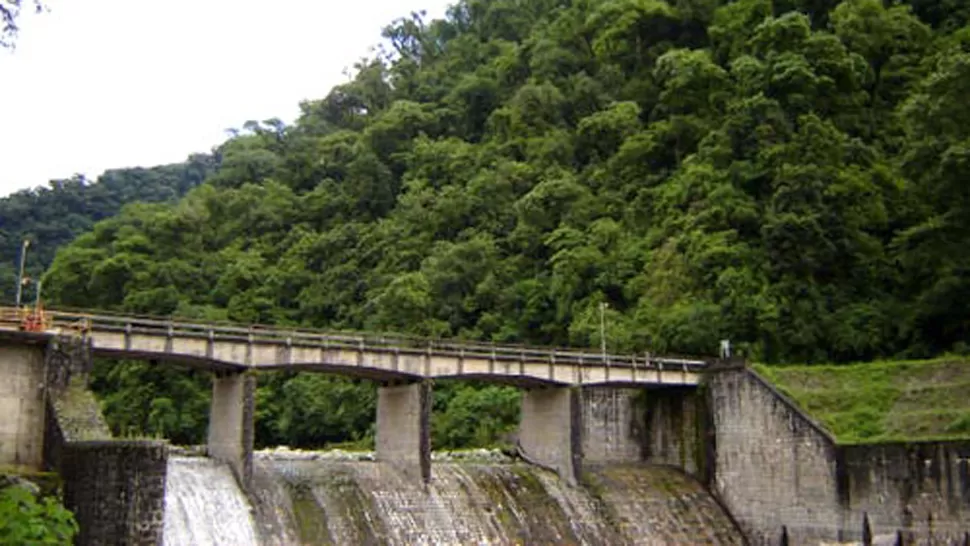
614, 426
116, 490
775, 468
675, 428
922, 488
657, 426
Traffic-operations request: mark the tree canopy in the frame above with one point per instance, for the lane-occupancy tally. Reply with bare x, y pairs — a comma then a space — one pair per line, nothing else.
50, 217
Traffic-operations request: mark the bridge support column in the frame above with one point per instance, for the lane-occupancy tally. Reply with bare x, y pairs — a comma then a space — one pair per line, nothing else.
404, 427
550, 430
22, 416
231, 423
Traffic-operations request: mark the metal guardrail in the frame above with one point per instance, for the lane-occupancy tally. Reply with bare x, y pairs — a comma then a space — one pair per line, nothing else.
83, 322
26, 318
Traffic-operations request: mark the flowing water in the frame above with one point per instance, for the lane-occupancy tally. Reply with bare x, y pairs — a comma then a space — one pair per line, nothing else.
312, 500
204, 505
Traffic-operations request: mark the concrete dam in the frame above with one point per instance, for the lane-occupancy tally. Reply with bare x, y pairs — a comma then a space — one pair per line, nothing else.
611, 449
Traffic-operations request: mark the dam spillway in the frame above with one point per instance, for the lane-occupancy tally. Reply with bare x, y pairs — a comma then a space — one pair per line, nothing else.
318, 498
204, 505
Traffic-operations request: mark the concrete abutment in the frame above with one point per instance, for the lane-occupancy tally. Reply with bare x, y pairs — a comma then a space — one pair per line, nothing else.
22, 405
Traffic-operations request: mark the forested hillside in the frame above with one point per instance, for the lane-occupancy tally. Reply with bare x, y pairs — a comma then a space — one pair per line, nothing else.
789, 175
52, 217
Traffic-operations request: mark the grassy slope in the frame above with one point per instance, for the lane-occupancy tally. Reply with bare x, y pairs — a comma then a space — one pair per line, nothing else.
882, 401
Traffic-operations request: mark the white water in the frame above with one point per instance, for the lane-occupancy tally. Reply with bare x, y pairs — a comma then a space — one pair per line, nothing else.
204, 505
323, 499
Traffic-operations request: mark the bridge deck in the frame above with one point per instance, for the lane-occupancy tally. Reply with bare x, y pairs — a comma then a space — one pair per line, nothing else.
375, 356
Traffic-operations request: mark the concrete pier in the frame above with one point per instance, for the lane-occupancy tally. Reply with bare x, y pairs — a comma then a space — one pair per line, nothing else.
550, 430
231, 423
404, 427
22, 405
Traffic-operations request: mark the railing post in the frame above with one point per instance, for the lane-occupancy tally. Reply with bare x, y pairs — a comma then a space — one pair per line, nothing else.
552, 365
250, 338
579, 370
427, 360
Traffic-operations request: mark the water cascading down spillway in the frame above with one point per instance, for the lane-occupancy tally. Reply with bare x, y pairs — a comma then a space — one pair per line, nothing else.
317, 498
204, 505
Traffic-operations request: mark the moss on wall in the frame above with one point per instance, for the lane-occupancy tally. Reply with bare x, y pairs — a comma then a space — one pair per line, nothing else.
78, 413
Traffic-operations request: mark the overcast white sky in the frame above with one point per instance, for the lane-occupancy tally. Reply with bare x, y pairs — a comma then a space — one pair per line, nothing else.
98, 84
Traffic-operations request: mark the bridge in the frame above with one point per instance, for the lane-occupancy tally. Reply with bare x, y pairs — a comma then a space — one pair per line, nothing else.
235, 347
404, 367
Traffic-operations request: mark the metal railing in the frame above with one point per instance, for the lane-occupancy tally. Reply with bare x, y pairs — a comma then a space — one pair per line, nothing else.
83, 322
26, 318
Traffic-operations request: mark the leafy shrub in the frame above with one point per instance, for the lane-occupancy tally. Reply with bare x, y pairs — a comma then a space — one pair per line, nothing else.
25, 519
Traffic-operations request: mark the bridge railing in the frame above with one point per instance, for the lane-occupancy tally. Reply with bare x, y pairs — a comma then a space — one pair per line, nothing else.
361, 341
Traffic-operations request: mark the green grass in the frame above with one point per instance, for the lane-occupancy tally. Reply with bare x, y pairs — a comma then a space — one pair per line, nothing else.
896, 401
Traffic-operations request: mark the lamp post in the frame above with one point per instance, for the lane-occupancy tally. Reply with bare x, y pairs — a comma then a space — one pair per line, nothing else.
603, 328
20, 277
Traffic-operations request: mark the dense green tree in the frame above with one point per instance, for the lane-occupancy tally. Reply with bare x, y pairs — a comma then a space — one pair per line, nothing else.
53, 216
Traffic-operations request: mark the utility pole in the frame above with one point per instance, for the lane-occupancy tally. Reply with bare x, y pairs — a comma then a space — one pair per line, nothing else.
603, 328
20, 277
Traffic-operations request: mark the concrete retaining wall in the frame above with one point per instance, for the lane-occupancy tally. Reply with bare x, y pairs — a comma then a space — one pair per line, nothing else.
922, 487
775, 468
22, 405
116, 490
